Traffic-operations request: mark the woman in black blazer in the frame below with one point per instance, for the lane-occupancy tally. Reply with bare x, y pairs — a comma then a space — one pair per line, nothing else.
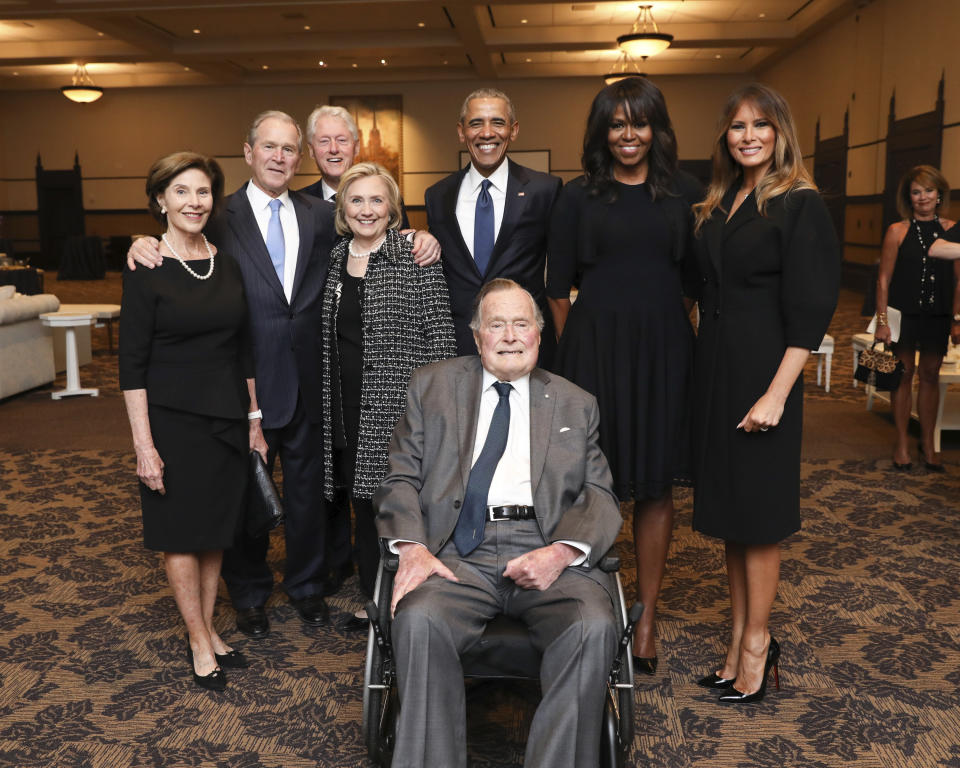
770, 263
383, 316
186, 369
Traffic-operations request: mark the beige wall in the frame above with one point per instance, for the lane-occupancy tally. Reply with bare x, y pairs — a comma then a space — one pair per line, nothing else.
858, 63
118, 137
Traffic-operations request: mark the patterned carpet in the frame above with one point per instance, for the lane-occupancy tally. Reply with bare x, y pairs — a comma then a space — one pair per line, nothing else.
93, 672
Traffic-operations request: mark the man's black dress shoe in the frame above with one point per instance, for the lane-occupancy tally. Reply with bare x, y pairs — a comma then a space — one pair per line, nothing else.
312, 609
336, 577
646, 665
253, 622
355, 624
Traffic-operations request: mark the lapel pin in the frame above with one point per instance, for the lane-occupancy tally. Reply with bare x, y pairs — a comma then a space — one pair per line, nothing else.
546, 394
521, 194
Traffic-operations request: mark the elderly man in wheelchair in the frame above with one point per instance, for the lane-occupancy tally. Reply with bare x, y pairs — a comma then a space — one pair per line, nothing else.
497, 511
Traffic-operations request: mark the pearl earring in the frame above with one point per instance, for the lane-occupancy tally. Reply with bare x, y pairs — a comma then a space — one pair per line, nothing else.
163, 210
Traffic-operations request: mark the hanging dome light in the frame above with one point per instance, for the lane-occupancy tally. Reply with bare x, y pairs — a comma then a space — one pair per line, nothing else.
627, 67
83, 91
645, 39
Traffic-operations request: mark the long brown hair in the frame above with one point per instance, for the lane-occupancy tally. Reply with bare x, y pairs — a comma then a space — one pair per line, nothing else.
785, 174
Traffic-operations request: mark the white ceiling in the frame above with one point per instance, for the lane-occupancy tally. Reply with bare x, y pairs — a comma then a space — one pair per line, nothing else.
131, 43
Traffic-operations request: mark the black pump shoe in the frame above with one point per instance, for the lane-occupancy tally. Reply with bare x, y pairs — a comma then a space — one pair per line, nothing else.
646, 665
215, 681
232, 660
714, 681
772, 662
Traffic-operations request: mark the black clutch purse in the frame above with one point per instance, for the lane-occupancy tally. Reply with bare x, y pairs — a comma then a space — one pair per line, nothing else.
264, 509
881, 370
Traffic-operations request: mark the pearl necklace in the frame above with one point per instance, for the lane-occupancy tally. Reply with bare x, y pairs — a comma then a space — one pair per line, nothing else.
185, 265
355, 255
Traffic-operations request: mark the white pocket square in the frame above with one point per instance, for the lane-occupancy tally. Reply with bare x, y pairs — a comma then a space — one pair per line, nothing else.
564, 429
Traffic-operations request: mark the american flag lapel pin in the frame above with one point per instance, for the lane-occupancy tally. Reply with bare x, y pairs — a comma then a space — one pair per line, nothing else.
521, 194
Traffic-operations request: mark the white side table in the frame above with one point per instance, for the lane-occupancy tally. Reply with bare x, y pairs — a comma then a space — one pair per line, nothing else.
104, 313
826, 353
69, 321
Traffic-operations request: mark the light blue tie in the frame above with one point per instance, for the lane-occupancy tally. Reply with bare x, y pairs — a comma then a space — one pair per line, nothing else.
275, 245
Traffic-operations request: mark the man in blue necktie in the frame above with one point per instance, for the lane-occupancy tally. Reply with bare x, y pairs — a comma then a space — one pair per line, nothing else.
499, 500
492, 217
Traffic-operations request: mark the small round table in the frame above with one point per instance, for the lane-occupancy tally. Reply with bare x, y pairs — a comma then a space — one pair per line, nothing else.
69, 321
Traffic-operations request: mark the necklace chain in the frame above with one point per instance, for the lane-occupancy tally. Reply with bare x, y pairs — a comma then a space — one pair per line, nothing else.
923, 260
355, 255
187, 266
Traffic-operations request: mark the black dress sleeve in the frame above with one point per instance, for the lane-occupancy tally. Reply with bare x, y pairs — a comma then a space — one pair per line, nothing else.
810, 283
137, 316
563, 240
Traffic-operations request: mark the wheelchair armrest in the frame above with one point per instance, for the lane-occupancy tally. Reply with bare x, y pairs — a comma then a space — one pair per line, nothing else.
609, 563
391, 562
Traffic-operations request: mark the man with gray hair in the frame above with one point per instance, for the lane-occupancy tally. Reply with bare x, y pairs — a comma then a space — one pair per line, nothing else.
333, 141
492, 217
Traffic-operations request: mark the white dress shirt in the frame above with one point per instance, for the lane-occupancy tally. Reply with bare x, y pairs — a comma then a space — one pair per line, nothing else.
328, 192
467, 200
260, 202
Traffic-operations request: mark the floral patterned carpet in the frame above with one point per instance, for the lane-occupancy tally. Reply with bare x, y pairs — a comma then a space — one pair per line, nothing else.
93, 672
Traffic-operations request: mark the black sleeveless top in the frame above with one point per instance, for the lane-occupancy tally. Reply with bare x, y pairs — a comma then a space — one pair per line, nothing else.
920, 284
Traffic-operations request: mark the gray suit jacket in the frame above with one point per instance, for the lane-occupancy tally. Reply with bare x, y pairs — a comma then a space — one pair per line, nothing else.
432, 450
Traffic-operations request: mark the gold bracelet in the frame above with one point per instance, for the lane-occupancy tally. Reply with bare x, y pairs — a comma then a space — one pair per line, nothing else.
882, 319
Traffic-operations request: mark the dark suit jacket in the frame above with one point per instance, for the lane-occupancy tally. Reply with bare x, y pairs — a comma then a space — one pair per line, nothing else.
432, 450
520, 252
285, 334
316, 189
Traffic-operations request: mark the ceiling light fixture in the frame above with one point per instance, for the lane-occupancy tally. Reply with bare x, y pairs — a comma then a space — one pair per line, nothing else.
645, 39
627, 68
82, 91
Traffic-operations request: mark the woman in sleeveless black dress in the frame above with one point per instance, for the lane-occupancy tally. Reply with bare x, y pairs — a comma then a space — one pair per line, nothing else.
926, 293
621, 232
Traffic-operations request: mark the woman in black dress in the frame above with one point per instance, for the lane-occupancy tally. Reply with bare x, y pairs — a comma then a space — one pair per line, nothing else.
187, 373
622, 230
770, 262
925, 291
383, 316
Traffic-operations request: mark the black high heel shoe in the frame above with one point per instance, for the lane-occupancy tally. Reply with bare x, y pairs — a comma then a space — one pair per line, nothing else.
232, 660
714, 681
773, 659
215, 681
646, 665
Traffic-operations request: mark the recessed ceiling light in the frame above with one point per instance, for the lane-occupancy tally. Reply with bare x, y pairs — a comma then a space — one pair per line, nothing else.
529, 60
186, 69
718, 56
762, 16
16, 74
306, 27
321, 63
445, 61
421, 24
265, 66
523, 21
383, 61
354, 65
196, 31
99, 34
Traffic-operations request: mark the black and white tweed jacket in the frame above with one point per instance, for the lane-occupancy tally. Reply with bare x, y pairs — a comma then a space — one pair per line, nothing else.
406, 324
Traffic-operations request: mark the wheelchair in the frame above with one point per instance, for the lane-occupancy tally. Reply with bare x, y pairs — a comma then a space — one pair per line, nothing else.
504, 652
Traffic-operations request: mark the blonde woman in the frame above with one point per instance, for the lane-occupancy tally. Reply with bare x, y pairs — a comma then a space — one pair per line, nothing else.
770, 263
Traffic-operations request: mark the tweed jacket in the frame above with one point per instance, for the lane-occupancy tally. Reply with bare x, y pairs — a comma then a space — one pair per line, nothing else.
406, 324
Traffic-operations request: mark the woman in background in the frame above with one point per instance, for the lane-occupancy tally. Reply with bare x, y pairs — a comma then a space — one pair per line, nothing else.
186, 369
770, 262
926, 293
623, 229
383, 316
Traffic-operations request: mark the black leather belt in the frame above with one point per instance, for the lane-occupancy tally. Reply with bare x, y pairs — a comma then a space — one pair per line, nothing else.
513, 512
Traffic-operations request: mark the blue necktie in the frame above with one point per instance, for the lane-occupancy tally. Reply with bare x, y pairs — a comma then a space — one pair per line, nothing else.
483, 228
275, 245
469, 531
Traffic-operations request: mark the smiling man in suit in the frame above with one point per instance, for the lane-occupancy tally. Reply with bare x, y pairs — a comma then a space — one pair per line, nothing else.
492, 217
498, 500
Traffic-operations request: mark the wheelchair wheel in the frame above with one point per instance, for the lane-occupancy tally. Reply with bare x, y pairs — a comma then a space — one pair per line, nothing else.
380, 702
616, 738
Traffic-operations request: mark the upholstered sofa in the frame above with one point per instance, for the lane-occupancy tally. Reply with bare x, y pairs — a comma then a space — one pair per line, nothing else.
26, 346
